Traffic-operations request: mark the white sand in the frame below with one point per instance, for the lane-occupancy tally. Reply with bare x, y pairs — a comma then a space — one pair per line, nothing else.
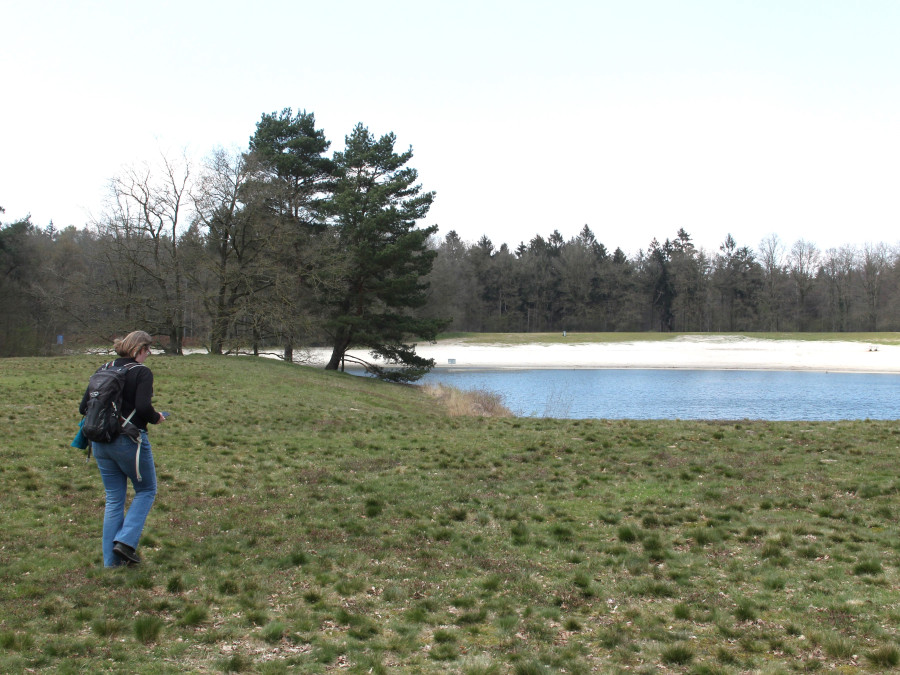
687, 352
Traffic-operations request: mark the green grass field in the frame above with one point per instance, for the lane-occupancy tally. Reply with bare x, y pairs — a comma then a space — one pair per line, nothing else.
316, 522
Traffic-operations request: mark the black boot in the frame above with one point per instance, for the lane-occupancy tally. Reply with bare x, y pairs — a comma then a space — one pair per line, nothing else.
127, 553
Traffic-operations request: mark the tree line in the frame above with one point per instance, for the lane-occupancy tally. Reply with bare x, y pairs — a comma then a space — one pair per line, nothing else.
285, 245
553, 284
278, 246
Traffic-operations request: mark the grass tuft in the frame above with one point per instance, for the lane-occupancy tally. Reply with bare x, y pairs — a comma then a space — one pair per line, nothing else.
627, 534
838, 646
870, 567
677, 655
887, 656
745, 610
147, 629
237, 663
531, 667
273, 632
175, 584
193, 616
106, 627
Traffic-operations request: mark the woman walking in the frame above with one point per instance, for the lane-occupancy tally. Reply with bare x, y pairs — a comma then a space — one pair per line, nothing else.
124, 459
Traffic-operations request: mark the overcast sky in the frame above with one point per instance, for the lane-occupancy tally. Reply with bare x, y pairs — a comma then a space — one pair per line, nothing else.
636, 117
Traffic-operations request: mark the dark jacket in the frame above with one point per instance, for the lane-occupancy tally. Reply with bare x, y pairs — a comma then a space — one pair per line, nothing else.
137, 395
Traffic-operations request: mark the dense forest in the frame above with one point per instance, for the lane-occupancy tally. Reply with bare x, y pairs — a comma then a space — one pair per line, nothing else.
283, 246
550, 284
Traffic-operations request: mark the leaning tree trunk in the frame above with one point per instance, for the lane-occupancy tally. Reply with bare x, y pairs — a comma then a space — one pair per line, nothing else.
341, 344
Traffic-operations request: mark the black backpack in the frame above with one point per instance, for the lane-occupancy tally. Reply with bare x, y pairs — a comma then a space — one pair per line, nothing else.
103, 421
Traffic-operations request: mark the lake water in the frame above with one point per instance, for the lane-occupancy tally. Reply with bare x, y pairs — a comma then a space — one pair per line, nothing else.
685, 394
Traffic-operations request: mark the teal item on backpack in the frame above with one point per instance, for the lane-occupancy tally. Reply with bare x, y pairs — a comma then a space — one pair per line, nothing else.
80, 441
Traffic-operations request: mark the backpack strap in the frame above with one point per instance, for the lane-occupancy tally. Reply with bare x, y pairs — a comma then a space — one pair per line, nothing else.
127, 420
110, 364
137, 455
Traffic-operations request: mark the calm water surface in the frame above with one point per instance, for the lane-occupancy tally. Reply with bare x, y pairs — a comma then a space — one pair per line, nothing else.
686, 394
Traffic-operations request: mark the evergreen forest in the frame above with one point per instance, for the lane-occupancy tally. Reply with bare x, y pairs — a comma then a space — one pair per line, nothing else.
551, 284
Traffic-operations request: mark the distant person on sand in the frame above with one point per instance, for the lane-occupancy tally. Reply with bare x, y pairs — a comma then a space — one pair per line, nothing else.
123, 459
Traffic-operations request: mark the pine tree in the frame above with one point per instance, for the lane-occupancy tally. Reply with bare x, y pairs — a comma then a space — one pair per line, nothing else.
373, 214
292, 181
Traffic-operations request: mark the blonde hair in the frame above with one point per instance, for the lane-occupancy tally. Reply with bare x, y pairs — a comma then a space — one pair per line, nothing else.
132, 344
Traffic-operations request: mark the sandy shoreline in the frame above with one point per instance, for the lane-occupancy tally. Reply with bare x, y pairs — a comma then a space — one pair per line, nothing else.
687, 352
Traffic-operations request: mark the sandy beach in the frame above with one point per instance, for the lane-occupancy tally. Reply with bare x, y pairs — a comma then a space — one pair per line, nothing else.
685, 352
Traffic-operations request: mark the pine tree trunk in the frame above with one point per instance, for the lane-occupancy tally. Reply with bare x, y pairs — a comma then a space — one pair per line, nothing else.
341, 344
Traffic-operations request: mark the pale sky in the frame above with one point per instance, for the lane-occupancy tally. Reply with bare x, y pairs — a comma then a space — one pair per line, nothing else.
635, 117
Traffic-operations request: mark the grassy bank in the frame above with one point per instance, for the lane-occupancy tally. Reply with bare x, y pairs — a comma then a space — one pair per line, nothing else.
887, 338
310, 521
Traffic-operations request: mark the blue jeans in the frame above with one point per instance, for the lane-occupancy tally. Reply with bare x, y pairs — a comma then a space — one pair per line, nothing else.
116, 462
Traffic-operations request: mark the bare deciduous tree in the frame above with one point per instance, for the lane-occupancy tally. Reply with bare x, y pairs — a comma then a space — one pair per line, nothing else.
803, 263
771, 260
230, 270
837, 267
148, 211
872, 273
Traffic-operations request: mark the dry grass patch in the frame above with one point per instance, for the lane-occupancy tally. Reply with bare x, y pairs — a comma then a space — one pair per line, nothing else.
472, 403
